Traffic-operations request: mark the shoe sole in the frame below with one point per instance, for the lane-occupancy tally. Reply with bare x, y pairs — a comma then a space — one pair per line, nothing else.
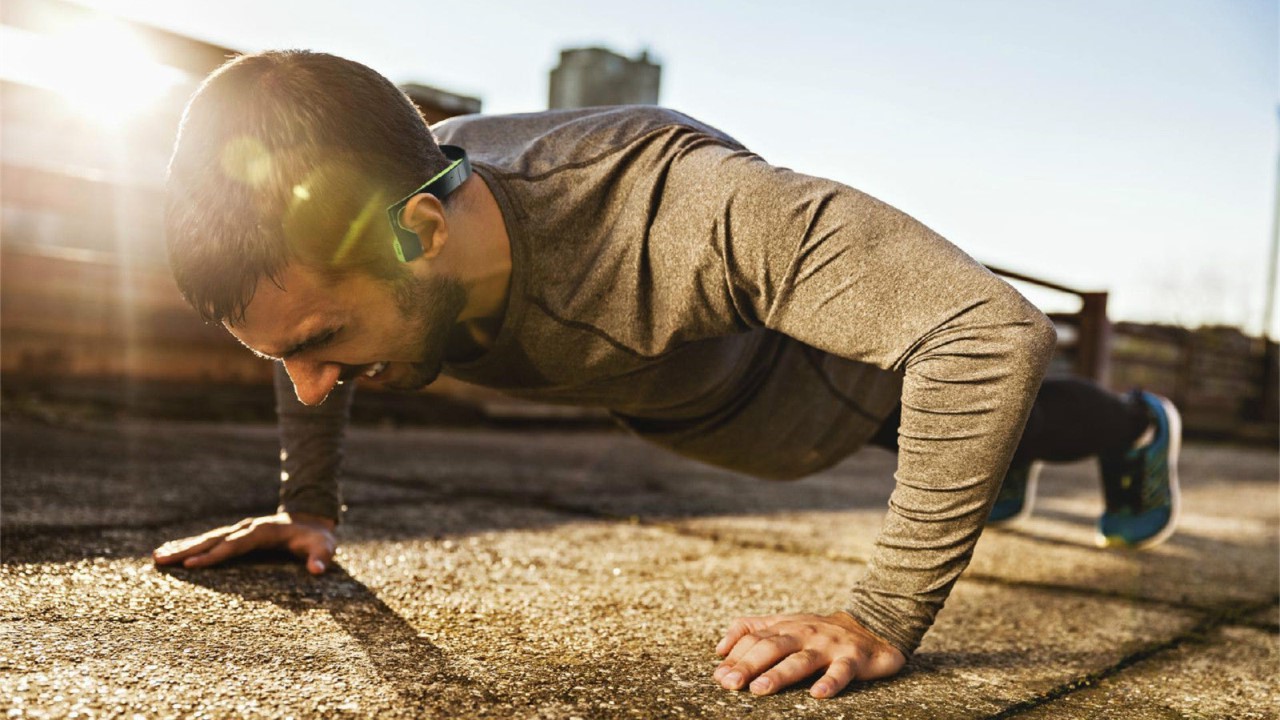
1033, 480
1175, 495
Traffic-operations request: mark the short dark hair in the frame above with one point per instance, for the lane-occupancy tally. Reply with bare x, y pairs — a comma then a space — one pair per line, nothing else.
289, 156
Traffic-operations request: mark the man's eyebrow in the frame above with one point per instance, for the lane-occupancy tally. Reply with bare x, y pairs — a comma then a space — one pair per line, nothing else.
319, 338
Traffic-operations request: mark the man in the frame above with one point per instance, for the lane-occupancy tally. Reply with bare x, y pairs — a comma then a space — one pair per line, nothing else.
635, 259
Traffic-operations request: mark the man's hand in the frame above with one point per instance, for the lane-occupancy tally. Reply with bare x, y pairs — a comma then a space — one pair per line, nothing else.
797, 646
310, 537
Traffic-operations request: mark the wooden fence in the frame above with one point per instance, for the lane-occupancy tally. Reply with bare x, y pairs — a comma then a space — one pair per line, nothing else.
1223, 381
80, 325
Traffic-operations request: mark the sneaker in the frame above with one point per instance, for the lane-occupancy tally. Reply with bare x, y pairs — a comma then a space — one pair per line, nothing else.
1141, 486
1017, 494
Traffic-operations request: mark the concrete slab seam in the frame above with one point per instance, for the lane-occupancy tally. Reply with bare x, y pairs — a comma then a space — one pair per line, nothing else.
981, 578
1223, 618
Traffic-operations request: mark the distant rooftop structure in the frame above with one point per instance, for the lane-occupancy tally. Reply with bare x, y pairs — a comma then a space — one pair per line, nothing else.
598, 76
437, 104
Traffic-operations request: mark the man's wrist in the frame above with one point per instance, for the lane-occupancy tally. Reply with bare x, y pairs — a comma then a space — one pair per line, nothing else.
847, 618
889, 639
308, 518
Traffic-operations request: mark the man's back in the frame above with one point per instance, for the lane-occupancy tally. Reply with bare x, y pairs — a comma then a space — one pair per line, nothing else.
622, 294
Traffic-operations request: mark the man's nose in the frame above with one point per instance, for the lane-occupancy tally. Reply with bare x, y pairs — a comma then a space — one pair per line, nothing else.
312, 381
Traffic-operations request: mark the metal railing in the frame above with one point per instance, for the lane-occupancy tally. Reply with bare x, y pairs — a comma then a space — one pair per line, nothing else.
1090, 348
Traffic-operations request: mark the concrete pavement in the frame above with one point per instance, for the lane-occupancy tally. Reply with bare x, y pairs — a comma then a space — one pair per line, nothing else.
562, 575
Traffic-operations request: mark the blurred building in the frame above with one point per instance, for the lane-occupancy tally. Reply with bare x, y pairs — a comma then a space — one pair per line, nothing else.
596, 76
89, 108
436, 104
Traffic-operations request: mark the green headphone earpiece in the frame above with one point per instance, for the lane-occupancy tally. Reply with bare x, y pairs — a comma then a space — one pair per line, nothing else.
407, 244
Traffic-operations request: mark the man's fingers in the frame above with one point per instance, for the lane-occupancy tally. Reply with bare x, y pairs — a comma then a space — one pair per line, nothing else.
790, 648
315, 547
796, 666
839, 674
312, 540
252, 530
762, 654
222, 551
739, 629
732, 636
176, 550
741, 648
743, 626
236, 543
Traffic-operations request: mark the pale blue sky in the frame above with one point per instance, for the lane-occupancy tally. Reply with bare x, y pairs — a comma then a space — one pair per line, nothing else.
1126, 145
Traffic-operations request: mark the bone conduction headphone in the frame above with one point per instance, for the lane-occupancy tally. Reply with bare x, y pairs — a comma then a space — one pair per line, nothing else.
407, 244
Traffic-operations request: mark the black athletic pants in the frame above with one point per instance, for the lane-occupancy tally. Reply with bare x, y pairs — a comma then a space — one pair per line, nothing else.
1071, 419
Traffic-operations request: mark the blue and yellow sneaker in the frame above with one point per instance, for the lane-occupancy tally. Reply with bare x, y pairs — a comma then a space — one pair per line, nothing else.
1017, 494
1141, 485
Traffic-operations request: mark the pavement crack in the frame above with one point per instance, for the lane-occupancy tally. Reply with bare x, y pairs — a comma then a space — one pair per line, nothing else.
1263, 626
1220, 618
1098, 593
984, 578
548, 503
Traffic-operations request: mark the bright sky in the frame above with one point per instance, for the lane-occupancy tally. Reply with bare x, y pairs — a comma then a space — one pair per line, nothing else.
1127, 146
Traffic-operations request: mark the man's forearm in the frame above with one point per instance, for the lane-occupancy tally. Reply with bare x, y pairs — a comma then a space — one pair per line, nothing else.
966, 395
852, 276
311, 451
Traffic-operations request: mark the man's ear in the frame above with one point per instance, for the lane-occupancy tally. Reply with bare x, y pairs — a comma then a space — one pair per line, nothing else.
424, 215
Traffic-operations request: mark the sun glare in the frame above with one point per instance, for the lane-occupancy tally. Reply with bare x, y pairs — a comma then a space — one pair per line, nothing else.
101, 67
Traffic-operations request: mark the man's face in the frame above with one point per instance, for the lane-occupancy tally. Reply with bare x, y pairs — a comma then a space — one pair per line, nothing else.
326, 331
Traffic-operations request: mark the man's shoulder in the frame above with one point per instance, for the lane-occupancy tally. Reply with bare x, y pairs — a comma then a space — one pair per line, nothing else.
564, 134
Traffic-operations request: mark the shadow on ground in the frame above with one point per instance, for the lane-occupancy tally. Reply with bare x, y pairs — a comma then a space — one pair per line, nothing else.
417, 670
585, 574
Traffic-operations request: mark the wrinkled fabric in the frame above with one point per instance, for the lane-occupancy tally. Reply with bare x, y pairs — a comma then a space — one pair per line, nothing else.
311, 452
751, 317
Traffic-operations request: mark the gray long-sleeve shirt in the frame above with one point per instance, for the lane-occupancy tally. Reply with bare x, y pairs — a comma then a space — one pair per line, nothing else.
744, 315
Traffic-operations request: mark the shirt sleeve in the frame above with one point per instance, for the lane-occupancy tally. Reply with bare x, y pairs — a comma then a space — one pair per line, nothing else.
311, 454
843, 272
